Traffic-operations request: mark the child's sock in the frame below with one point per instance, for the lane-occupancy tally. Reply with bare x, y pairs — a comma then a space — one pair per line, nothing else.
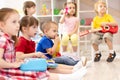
88, 63
74, 76
111, 51
80, 64
77, 66
97, 52
84, 61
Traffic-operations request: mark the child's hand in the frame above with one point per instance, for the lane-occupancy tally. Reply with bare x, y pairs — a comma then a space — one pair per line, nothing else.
104, 24
65, 11
40, 55
17, 64
57, 39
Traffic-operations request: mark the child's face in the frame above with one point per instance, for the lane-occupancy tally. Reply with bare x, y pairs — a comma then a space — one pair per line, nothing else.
101, 8
32, 31
71, 8
52, 32
11, 25
31, 10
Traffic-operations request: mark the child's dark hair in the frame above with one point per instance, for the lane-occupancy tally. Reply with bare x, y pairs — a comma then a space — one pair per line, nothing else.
4, 15
65, 5
28, 21
28, 4
47, 25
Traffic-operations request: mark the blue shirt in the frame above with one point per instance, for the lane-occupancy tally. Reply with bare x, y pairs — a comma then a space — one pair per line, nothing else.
43, 44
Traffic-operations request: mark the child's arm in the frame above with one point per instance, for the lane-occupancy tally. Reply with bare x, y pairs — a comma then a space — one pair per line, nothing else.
109, 23
53, 49
5, 64
22, 56
62, 19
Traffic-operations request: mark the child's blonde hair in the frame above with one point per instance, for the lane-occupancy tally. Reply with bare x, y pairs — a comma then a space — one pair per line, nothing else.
28, 4
47, 25
4, 15
65, 5
96, 5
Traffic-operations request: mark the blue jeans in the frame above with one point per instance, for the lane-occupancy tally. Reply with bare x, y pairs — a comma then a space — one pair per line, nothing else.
65, 60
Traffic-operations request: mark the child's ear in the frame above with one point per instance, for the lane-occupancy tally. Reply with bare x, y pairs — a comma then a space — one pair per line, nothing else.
1, 25
45, 31
24, 28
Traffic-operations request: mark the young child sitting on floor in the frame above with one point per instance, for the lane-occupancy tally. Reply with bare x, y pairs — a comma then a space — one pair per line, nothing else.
46, 45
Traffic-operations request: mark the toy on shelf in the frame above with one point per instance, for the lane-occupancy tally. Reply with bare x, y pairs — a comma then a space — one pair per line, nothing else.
56, 11
44, 10
86, 21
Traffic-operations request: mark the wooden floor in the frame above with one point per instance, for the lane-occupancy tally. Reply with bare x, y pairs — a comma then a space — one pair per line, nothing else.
103, 70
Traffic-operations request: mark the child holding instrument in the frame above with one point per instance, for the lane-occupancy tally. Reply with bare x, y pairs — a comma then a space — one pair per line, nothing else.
102, 19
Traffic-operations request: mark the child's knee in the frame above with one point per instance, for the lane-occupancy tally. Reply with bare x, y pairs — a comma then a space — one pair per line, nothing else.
65, 39
108, 37
74, 39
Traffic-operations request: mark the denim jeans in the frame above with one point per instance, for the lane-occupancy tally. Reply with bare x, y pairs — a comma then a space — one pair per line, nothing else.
65, 60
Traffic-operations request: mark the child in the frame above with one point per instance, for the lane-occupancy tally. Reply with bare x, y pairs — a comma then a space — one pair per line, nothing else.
71, 27
46, 45
25, 47
29, 8
9, 67
102, 19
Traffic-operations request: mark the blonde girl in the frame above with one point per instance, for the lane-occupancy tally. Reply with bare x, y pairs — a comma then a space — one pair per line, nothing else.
71, 27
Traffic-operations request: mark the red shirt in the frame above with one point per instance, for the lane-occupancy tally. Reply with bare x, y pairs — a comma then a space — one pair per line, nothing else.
26, 46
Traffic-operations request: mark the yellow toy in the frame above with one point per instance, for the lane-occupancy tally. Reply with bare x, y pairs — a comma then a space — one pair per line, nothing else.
57, 54
44, 10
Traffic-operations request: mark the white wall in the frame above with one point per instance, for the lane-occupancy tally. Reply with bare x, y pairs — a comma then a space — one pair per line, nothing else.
15, 4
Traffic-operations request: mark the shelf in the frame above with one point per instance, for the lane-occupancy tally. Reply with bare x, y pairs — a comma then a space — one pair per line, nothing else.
87, 11
57, 15
43, 15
